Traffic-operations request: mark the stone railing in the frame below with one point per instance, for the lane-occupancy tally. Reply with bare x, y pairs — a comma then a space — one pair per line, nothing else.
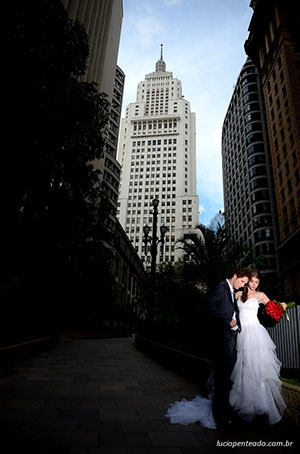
194, 367
291, 395
14, 354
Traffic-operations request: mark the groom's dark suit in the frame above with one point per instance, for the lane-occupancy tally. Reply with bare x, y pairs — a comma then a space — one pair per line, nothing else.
221, 306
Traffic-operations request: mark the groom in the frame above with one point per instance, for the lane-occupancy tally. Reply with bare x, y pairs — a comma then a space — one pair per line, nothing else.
224, 313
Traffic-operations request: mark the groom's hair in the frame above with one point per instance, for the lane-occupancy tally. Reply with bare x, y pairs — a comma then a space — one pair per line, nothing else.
240, 271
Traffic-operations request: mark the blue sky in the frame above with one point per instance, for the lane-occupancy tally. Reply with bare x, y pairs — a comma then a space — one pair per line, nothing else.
204, 48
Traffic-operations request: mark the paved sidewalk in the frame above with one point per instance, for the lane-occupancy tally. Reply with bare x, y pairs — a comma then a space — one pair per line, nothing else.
103, 396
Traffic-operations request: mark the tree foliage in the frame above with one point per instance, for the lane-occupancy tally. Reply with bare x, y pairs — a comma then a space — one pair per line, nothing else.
176, 298
181, 317
210, 255
180, 310
54, 203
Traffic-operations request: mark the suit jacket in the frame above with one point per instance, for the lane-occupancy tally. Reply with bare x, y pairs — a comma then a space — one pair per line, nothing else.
221, 309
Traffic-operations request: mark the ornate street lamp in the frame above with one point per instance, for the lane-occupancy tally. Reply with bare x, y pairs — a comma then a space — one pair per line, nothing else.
163, 231
154, 242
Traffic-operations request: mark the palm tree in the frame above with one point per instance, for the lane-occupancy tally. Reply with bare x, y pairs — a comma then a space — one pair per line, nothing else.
210, 254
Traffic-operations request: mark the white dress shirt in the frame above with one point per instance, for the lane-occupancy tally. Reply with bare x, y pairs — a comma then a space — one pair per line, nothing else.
233, 298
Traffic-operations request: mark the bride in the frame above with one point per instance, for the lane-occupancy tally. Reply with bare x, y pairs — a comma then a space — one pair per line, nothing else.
255, 377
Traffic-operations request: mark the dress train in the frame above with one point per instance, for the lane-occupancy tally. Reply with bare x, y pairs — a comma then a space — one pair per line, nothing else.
198, 409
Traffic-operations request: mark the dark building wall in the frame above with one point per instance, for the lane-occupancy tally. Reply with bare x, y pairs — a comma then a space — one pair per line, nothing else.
250, 212
274, 45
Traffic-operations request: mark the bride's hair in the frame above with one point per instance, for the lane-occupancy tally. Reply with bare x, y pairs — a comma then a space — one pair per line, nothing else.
251, 274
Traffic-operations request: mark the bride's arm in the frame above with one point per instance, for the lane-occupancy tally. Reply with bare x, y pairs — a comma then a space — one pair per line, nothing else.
262, 298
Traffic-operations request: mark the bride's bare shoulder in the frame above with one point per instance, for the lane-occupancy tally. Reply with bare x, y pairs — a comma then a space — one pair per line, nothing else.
262, 297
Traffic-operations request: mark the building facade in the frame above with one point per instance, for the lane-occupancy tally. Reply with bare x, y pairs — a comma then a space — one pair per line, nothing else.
109, 166
250, 211
158, 158
130, 276
102, 21
274, 46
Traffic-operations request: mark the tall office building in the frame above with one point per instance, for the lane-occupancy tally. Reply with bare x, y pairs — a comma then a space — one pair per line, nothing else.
250, 211
109, 166
158, 158
274, 46
102, 21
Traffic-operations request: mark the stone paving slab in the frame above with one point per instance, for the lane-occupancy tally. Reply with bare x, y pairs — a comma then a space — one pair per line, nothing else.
103, 396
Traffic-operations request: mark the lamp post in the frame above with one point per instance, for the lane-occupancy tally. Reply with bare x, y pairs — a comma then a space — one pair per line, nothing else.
153, 250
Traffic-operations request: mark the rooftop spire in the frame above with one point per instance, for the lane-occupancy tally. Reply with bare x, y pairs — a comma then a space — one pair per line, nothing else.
160, 64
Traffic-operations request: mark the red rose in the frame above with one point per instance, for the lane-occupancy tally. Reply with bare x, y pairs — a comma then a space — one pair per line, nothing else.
274, 310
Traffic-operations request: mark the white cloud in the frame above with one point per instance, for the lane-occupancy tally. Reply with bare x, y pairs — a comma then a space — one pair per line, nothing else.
172, 2
148, 29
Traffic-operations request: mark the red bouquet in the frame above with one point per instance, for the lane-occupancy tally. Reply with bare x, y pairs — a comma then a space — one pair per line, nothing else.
269, 314
274, 310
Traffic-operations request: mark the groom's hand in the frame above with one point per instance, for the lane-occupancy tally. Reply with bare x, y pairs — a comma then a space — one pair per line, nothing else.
232, 323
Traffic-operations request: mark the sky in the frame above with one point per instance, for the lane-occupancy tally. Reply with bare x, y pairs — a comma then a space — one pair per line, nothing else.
203, 46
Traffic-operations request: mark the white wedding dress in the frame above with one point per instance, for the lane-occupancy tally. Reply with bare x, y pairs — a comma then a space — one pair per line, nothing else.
256, 387
256, 384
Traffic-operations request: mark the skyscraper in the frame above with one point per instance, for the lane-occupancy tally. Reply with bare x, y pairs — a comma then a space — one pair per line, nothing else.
274, 46
102, 21
157, 152
110, 167
249, 198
